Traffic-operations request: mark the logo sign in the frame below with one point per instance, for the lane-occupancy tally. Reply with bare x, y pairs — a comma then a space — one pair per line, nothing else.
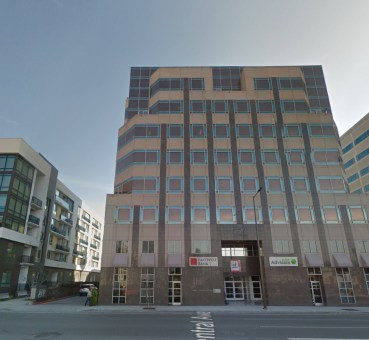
283, 262
203, 261
235, 266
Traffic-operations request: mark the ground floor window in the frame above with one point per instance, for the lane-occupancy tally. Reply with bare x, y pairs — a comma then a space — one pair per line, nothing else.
242, 288
345, 285
147, 285
119, 285
366, 274
174, 286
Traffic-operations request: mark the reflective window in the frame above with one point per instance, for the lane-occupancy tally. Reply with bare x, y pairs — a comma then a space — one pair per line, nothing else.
200, 214
198, 131
226, 215
199, 156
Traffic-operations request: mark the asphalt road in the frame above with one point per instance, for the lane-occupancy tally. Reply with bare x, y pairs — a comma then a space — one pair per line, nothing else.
157, 325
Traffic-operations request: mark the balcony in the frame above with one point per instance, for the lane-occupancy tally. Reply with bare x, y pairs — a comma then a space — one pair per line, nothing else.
83, 242
87, 219
97, 237
95, 225
79, 227
62, 248
79, 253
58, 231
93, 246
33, 221
36, 203
26, 260
96, 258
61, 202
66, 220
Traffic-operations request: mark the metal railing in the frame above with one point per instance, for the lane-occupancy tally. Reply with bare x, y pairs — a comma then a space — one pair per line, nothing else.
34, 219
62, 248
58, 231
26, 259
79, 227
36, 202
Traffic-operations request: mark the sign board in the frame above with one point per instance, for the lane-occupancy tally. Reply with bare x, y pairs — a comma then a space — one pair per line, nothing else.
283, 261
235, 266
203, 261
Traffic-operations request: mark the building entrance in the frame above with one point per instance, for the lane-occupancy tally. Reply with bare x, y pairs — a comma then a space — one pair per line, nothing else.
174, 286
241, 288
315, 279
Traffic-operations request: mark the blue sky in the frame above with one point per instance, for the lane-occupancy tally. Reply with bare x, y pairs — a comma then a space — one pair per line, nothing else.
64, 65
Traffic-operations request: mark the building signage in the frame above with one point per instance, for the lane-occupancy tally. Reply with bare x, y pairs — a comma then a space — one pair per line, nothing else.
203, 261
283, 261
235, 266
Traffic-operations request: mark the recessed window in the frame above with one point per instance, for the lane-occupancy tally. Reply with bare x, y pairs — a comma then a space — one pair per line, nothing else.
200, 214
304, 214
244, 131
310, 246
325, 156
199, 184
278, 215
221, 131
219, 106
262, 84
337, 246
292, 130
249, 215
265, 106
357, 214
174, 247
270, 157
291, 84
222, 157
345, 285
224, 184
148, 247
322, 130
331, 184
174, 214
167, 107
241, 106
249, 184
175, 184
196, 84
274, 184
246, 156
200, 247
299, 184
267, 131
282, 247
295, 156
199, 156
121, 246
175, 131
148, 214
197, 106
198, 131
174, 157
294, 106
331, 214
226, 215
123, 215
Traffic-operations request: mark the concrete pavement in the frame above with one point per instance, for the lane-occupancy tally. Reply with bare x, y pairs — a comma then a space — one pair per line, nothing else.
76, 304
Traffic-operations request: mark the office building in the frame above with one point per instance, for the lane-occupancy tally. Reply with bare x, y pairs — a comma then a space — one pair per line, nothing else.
41, 224
196, 146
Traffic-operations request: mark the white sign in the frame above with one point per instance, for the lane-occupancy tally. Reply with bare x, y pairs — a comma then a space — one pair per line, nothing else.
235, 266
283, 262
203, 261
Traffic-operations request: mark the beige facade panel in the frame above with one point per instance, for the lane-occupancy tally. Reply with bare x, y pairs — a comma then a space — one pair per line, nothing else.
137, 171
200, 232
199, 170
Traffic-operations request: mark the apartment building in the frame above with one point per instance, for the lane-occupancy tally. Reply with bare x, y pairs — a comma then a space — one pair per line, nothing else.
183, 224
355, 151
39, 218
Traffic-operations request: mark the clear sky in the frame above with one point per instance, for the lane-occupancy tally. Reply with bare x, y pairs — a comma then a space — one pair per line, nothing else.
64, 65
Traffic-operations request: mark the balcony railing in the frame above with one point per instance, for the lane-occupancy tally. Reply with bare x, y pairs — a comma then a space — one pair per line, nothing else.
96, 258
86, 218
66, 219
62, 248
95, 225
97, 237
36, 202
83, 242
79, 253
34, 220
58, 231
93, 246
60, 201
26, 259
79, 227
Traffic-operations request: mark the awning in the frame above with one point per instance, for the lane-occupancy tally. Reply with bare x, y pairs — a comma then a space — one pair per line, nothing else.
174, 260
365, 259
120, 260
342, 260
147, 260
314, 260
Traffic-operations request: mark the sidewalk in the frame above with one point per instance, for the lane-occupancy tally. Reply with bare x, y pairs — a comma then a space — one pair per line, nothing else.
76, 304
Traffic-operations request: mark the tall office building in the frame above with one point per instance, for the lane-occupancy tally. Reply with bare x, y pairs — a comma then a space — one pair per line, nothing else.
197, 145
355, 151
45, 235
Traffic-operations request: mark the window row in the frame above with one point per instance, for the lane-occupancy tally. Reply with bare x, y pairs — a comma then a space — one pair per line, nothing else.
283, 83
227, 214
176, 84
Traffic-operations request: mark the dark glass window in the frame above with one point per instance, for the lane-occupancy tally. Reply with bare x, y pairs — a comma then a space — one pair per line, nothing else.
175, 157
248, 184
199, 184
292, 131
219, 106
322, 130
199, 156
197, 106
270, 157
267, 131
175, 184
265, 106
295, 156
274, 184
198, 131
197, 84
246, 157
221, 131
241, 106
223, 157
175, 131
262, 84
243, 130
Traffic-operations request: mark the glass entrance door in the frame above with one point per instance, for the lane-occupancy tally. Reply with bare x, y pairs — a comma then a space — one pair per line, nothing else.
234, 290
316, 293
175, 293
